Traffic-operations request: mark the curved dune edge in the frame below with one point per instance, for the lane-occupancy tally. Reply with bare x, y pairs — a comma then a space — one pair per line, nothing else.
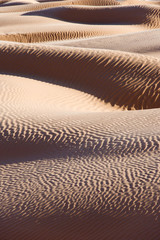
67, 33
73, 165
144, 42
32, 7
113, 20
55, 32
17, 2
18, 95
146, 15
29, 98
128, 80
34, 132
43, 5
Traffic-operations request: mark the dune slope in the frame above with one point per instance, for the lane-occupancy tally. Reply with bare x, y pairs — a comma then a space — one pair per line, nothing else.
144, 42
48, 4
124, 79
89, 178
149, 15
79, 120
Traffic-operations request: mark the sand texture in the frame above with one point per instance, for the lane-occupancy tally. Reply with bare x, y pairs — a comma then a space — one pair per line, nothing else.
79, 120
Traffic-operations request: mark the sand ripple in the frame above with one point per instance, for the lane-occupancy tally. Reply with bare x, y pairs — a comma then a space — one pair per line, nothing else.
79, 127
101, 173
128, 80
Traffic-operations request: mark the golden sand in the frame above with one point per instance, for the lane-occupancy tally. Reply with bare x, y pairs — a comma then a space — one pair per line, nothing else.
80, 120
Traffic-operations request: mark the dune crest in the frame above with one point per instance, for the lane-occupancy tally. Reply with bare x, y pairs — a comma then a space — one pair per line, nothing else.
79, 120
144, 42
128, 80
78, 22
146, 15
48, 4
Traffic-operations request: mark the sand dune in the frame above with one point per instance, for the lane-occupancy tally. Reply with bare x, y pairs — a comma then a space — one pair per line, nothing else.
43, 5
79, 120
38, 27
52, 33
76, 22
128, 80
92, 179
17, 2
48, 96
144, 42
105, 15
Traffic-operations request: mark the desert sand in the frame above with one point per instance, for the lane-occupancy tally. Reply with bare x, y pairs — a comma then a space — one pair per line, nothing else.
80, 120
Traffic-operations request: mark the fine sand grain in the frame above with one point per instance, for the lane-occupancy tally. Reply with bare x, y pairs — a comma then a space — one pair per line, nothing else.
128, 80
79, 120
144, 42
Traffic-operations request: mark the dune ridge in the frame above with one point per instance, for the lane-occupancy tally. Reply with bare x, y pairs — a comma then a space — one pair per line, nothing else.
17, 2
144, 42
105, 73
81, 22
43, 5
147, 15
67, 33
79, 123
52, 131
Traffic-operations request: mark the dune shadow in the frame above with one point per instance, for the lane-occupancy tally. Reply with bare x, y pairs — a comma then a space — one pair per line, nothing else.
118, 15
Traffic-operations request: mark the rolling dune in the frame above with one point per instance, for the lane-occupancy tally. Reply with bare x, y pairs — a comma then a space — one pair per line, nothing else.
82, 22
49, 33
47, 29
43, 5
144, 42
79, 120
92, 179
105, 15
17, 2
128, 80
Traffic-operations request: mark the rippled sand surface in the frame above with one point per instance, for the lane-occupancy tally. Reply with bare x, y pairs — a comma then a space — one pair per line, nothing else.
79, 120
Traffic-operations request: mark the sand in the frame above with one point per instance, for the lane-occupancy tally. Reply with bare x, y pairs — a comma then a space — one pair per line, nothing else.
144, 42
80, 120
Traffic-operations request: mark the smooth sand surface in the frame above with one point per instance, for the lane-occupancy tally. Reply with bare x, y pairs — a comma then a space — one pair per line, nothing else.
80, 120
